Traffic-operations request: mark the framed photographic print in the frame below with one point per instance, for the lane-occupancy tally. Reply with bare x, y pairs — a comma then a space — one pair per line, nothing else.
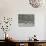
26, 20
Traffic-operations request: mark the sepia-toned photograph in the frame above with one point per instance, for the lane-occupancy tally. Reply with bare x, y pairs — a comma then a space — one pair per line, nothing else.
26, 20
22, 22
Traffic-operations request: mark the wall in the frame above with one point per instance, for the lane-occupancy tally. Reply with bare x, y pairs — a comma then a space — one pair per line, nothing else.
45, 28
12, 8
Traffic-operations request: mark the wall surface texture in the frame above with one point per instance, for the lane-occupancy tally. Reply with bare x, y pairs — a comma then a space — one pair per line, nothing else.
11, 8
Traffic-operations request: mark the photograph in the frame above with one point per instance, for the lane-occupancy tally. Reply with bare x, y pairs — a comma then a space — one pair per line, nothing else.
26, 20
